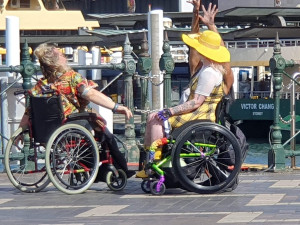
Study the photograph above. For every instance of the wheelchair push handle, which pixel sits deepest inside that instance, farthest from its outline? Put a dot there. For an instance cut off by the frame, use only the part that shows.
(20, 92)
(45, 90)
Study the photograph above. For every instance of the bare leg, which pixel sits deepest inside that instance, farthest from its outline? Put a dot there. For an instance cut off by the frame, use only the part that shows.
(154, 130)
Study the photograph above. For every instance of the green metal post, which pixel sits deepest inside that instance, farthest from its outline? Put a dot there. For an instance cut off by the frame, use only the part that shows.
(28, 70)
(129, 71)
(166, 63)
(28, 67)
(144, 65)
(277, 155)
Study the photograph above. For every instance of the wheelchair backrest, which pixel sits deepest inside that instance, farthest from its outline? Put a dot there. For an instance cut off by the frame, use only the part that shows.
(46, 116)
(222, 110)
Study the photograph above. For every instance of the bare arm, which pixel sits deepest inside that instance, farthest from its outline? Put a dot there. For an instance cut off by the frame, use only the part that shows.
(208, 19)
(24, 121)
(102, 100)
(188, 106)
(194, 61)
(228, 78)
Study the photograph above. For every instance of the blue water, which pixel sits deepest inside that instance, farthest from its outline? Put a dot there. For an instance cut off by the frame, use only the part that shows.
(258, 152)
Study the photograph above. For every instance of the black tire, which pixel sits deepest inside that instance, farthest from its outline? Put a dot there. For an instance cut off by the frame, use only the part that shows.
(153, 190)
(116, 183)
(25, 166)
(198, 158)
(72, 159)
(145, 185)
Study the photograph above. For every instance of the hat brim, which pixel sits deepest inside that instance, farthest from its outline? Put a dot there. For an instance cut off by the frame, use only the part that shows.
(220, 55)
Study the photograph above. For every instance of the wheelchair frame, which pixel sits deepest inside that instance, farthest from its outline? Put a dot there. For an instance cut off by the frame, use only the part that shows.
(203, 157)
(199, 161)
(71, 166)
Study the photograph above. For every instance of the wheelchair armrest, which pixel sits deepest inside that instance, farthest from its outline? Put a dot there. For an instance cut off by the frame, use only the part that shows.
(83, 115)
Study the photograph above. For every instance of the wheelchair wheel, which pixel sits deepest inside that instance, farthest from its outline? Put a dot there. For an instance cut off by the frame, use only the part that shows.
(72, 159)
(116, 183)
(206, 158)
(145, 185)
(153, 188)
(25, 164)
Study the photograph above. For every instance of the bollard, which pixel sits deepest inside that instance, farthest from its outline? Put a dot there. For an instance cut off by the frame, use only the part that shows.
(144, 66)
(28, 67)
(277, 154)
(166, 64)
(129, 71)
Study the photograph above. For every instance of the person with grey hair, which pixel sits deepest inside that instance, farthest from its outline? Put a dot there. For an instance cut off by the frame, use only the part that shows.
(76, 93)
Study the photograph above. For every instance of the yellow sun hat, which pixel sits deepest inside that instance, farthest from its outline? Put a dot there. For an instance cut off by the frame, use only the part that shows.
(208, 43)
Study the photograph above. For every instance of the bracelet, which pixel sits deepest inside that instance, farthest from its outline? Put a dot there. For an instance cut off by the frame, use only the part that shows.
(115, 108)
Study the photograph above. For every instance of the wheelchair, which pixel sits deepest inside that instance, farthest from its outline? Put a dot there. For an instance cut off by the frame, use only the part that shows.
(200, 156)
(59, 150)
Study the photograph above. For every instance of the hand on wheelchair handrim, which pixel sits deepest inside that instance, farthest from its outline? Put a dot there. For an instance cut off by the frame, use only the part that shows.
(164, 114)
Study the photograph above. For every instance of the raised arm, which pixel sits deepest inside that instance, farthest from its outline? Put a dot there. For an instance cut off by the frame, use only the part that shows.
(208, 19)
(194, 61)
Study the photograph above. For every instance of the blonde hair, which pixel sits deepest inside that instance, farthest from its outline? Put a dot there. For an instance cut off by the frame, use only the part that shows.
(49, 61)
(217, 66)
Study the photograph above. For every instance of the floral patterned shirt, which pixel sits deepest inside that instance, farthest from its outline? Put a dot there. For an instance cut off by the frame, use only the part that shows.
(70, 85)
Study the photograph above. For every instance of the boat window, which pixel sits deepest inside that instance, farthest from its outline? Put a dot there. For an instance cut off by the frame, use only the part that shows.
(53, 4)
(23, 5)
(16, 4)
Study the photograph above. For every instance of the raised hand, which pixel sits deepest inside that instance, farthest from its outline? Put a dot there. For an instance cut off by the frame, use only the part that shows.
(209, 15)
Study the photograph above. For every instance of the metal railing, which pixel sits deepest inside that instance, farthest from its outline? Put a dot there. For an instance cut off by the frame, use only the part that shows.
(261, 43)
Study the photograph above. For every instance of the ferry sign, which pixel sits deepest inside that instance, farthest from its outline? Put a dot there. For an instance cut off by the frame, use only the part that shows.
(256, 109)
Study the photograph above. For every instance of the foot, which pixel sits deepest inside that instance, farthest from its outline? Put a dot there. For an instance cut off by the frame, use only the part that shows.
(141, 174)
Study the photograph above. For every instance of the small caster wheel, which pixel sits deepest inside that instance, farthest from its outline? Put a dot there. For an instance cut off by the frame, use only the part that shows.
(154, 190)
(116, 183)
(145, 185)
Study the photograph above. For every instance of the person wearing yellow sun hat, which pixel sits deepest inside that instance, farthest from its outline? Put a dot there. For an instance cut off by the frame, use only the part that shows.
(209, 66)
(208, 44)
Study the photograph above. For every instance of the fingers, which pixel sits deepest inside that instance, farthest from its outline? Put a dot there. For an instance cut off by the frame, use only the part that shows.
(214, 10)
(211, 9)
(203, 9)
(127, 113)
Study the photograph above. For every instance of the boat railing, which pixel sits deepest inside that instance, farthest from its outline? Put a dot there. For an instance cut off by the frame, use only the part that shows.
(265, 95)
(261, 43)
(287, 95)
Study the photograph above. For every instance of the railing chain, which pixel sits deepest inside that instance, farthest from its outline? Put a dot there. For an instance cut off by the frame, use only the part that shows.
(150, 78)
(285, 121)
